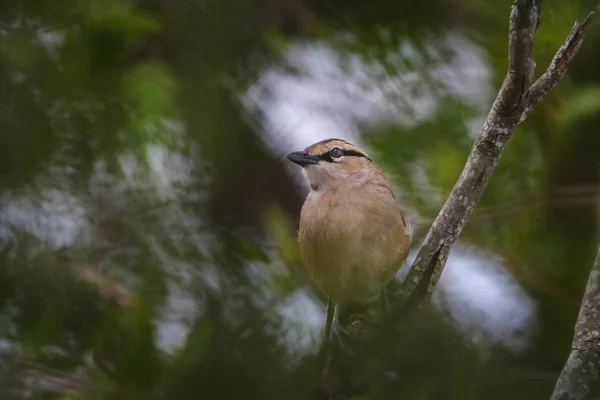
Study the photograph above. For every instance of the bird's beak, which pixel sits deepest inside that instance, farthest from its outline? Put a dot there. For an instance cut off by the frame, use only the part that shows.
(302, 158)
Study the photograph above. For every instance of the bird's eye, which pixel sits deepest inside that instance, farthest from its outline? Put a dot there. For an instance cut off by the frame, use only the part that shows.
(336, 152)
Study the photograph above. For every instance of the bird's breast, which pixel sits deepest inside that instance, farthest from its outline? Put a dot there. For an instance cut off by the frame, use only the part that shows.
(351, 247)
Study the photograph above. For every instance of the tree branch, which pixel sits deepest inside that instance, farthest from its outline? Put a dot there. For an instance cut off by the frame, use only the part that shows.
(501, 122)
(515, 101)
(558, 67)
(582, 366)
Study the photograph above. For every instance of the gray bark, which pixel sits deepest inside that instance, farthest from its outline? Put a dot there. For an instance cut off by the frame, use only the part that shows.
(582, 366)
(501, 122)
(515, 101)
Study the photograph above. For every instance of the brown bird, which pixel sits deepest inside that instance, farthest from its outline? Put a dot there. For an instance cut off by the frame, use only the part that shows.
(353, 234)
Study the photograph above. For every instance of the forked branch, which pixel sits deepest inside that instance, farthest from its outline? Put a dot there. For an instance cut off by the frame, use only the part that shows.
(515, 101)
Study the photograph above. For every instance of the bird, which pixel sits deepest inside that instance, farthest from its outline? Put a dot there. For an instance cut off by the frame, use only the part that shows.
(353, 234)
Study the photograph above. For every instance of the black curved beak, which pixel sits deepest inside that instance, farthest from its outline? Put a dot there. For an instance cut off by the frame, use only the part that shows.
(302, 158)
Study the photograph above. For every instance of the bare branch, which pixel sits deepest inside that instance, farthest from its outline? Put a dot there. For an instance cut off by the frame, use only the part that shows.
(558, 67)
(582, 366)
(515, 101)
(501, 122)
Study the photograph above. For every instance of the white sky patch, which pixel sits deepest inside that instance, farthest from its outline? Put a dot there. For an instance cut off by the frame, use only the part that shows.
(161, 171)
(486, 301)
(483, 298)
(303, 319)
(52, 40)
(56, 218)
(333, 93)
(176, 319)
(169, 169)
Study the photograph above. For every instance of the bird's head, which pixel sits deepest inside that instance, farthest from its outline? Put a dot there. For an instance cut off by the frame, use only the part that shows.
(331, 163)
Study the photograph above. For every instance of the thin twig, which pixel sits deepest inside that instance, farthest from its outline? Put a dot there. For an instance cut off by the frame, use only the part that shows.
(582, 366)
(558, 67)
